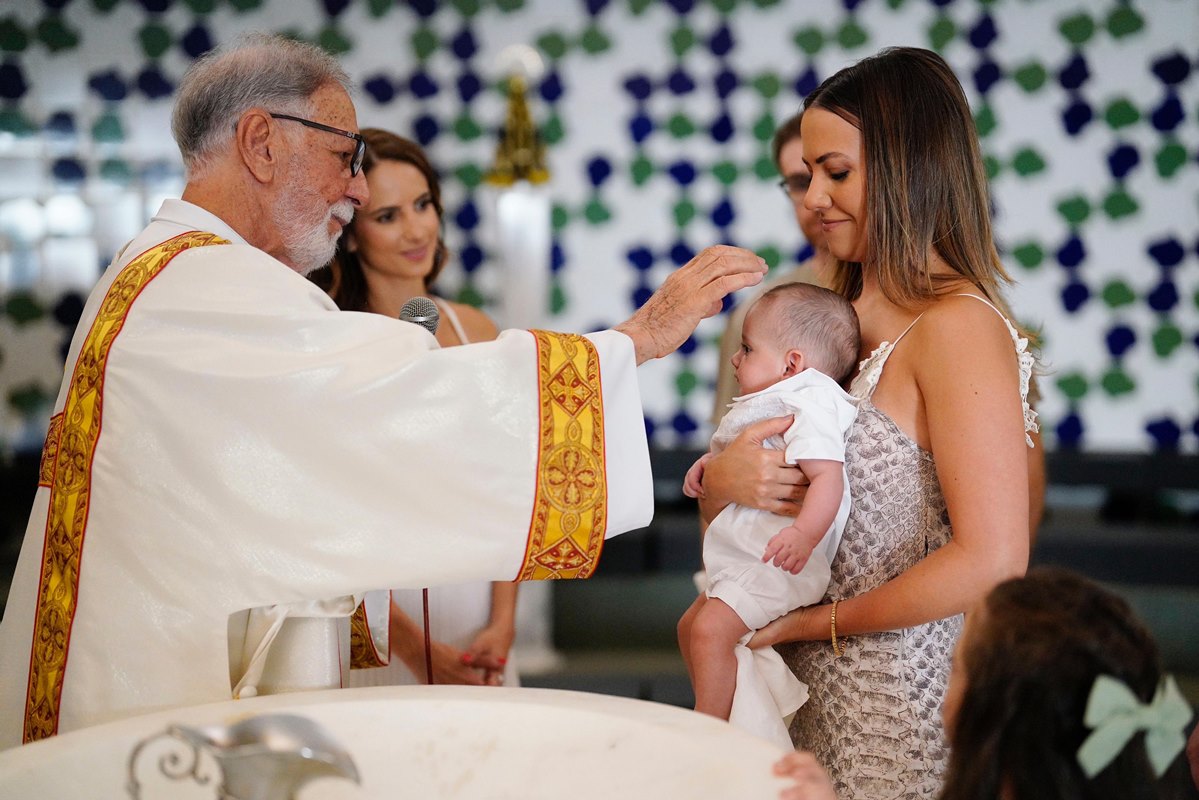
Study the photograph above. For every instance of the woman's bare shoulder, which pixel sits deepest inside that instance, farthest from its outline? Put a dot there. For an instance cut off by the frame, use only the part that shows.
(478, 326)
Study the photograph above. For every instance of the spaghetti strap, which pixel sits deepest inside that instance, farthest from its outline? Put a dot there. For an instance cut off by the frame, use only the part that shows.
(448, 313)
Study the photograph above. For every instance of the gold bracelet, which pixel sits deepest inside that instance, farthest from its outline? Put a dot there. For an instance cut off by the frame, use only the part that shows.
(837, 651)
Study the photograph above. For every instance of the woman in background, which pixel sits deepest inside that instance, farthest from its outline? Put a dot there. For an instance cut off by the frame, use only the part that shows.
(391, 253)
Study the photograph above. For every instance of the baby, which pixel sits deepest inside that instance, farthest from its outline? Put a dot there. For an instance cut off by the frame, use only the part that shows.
(798, 343)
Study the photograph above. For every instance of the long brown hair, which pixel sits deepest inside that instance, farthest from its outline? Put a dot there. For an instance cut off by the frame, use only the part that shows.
(342, 278)
(925, 183)
(1041, 642)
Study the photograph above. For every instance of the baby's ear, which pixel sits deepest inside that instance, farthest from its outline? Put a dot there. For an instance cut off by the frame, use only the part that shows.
(794, 363)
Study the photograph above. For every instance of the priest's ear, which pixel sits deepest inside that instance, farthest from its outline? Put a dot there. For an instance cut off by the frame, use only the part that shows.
(793, 363)
(260, 143)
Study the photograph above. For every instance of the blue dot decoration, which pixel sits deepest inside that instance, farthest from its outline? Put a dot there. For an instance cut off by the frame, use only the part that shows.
(12, 82)
(69, 170)
(1072, 253)
(55, 5)
(681, 253)
(638, 86)
(469, 86)
(721, 42)
(422, 85)
(641, 295)
(649, 428)
(807, 82)
(726, 82)
(68, 309)
(471, 257)
(689, 346)
(1069, 431)
(1167, 252)
(61, 123)
(464, 45)
(942, 3)
(683, 172)
(426, 129)
(1165, 432)
(1172, 69)
(424, 8)
(804, 252)
(1074, 296)
(557, 256)
(1168, 115)
(641, 257)
(551, 87)
(594, 7)
(108, 85)
(1122, 160)
(722, 128)
(640, 127)
(196, 41)
(155, 6)
(1120, 340)
(1163, 297)
(153, 84)
(850, 5)
(679, 82)
(683, 424)
(1075, 73)
(1077, 116)
(598, 170)
(682, 6)
(380, 88)
(986, 75)
(334, 7)
(723, 214)
(727, 303)
(467, 217)
(983, 33)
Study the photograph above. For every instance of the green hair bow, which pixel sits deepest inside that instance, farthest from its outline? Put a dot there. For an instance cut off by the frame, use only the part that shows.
(1114, 715)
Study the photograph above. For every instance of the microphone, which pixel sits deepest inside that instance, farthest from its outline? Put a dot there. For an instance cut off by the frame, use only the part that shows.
(421, 311)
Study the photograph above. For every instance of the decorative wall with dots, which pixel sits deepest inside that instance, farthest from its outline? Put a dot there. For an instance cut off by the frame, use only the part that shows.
(657, 116)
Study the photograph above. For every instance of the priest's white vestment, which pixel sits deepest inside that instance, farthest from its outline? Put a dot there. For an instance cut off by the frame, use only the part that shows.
(226, 439)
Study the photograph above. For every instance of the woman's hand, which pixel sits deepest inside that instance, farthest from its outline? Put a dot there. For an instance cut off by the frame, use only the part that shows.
(449, 668)
(749, 475)
(489, 652)
(811, 782)
(802, 624)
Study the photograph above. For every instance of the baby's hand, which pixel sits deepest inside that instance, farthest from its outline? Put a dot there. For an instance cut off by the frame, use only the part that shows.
(693, 484)
(790, 549)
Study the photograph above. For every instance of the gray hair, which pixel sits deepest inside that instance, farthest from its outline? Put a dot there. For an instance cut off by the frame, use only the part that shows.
(820, 323)
(264, 70)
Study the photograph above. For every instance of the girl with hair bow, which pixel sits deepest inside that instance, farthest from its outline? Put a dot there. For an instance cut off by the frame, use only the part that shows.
(1056, 692)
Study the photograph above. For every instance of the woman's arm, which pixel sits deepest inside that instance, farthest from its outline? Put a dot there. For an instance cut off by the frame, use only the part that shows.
(963, 367)
(750, 475)
(408, 644)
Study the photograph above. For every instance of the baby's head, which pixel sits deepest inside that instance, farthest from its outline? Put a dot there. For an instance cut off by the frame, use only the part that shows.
(794, 327)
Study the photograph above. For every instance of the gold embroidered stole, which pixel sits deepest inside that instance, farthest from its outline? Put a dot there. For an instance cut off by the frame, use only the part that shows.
(570, 504)
(66, 468)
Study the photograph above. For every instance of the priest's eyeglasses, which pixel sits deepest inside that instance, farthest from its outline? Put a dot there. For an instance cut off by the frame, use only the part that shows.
(360, 143)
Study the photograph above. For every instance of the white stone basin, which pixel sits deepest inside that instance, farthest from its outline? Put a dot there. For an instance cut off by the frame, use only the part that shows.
(430, 742)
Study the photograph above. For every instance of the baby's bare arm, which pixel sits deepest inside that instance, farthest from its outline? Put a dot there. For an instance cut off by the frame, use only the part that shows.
(791, 547)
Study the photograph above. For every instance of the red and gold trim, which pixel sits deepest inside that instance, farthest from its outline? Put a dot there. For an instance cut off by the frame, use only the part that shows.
(45, 474)
(570, 504)
(67, 468)
(363, 652)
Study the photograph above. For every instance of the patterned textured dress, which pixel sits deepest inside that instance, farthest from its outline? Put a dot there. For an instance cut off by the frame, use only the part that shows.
(873, 717)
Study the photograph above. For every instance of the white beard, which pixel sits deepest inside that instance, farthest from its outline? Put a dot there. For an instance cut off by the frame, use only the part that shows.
(308, 244)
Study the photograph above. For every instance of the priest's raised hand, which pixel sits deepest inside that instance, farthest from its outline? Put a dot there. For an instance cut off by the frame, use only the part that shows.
(691, 293)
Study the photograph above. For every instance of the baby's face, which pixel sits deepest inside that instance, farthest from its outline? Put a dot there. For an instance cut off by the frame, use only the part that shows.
(761, 360)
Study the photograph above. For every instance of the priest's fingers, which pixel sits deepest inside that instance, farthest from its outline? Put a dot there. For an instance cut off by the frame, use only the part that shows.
(687, 296)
